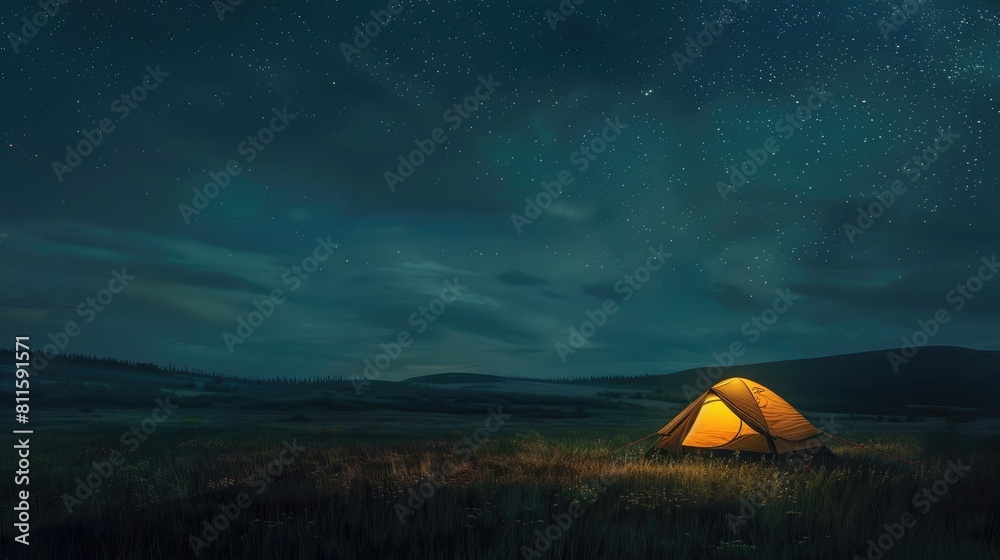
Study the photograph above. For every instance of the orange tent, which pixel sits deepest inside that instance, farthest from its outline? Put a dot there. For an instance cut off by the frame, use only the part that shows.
(739, 414)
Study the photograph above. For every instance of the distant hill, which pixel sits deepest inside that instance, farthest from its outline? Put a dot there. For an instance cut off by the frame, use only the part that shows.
(937, 376)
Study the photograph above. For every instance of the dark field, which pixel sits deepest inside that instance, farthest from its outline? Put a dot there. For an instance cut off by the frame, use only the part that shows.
(478, 468)
(343, 498)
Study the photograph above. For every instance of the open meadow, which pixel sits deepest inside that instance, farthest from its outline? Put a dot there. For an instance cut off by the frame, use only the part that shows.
(495, 475)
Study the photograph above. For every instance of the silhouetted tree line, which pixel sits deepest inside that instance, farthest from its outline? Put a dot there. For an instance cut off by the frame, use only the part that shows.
(579, 378)
(215, 377)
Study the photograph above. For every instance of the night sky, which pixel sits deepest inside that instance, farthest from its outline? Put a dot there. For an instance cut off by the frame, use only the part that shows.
(661, 181)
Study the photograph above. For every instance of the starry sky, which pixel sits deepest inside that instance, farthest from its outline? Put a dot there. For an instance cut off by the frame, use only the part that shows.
(656, 184)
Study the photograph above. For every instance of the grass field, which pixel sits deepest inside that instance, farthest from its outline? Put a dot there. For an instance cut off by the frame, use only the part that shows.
(341, 497)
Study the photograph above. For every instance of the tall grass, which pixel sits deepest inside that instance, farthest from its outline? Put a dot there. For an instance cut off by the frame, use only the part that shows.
(338, 500)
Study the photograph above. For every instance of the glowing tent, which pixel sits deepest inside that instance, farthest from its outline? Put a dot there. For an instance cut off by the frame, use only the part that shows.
(739, 414)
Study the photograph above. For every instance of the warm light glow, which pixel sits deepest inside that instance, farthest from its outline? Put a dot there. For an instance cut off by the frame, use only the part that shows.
(716, 425)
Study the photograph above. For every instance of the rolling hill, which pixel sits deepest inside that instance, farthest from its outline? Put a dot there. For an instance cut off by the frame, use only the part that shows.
(937, 376)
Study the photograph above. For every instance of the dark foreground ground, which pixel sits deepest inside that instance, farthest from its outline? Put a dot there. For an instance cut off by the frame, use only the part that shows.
(481, 469)
(521, 493)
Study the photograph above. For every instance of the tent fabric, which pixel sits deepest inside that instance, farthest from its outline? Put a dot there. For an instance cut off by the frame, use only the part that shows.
(738, 414)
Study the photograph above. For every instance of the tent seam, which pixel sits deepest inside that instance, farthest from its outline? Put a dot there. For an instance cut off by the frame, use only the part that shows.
(766, 425)
(735, 409)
